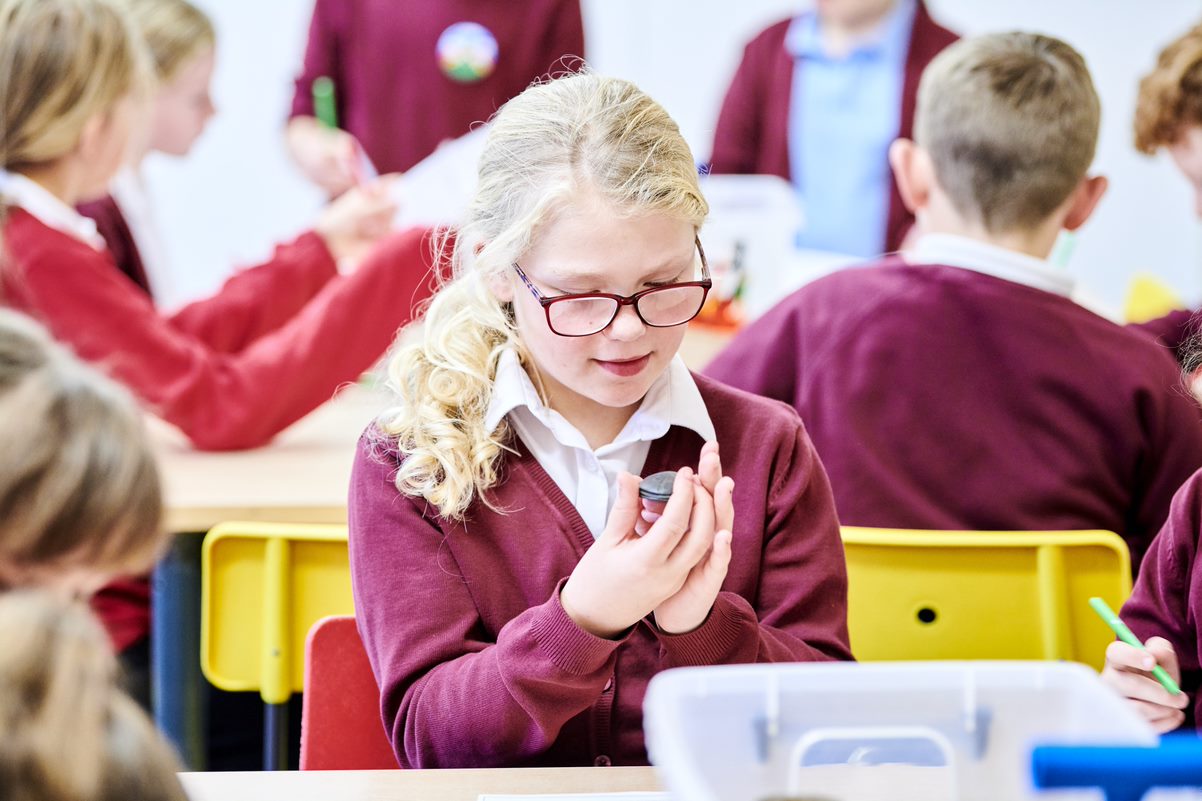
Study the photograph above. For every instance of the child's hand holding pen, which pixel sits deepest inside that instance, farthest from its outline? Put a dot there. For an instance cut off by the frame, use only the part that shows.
(1147, 674)
(330, 156)
(327, 156)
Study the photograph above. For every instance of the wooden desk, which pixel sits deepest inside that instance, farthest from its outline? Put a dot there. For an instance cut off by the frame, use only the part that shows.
(301, 477)
(412, 785)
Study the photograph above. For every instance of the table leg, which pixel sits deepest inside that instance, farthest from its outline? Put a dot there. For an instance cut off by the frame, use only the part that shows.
(275, 736)
(176, 682)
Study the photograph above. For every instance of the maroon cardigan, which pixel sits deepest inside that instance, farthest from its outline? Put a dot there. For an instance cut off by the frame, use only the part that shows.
(1167, 599)
(752, 136)
(944, 398)
(477, 662)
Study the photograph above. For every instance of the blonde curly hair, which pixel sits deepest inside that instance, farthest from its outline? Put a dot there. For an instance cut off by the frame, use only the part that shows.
(546, 146)
(1170, 96)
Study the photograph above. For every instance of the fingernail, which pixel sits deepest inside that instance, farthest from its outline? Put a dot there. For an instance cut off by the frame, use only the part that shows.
(1149, 663)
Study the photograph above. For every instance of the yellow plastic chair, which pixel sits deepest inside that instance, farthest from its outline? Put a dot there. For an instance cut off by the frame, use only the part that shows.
(263, 586)
(982, 594)
(1149, 297)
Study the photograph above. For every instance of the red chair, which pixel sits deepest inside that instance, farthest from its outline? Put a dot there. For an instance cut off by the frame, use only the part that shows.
(340, 719)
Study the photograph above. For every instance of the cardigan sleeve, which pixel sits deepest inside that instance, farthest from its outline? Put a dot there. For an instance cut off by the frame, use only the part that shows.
(260, 299)
(800, 612)
(449, 697)
(225, 400)
(1167, 596)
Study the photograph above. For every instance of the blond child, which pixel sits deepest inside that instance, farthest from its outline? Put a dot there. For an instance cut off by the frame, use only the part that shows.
(959, 386)
(500, 496)
(182, 44)
(230, 372)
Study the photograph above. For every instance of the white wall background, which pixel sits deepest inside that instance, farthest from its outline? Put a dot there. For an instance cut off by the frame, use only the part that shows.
(237, 192)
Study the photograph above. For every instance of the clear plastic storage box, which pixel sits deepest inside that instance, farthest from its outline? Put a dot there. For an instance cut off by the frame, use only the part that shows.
(889, 730)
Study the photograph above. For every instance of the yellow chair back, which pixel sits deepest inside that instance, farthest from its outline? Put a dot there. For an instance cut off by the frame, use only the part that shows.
(982, 594)
(1148, 297)
(263, 586)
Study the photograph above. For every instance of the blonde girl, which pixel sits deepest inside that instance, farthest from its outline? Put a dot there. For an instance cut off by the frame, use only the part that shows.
(514, 595)
(230, 371)
(182, 45)
(66, 732)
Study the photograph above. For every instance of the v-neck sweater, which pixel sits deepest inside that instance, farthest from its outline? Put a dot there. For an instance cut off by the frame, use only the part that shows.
(478, 663)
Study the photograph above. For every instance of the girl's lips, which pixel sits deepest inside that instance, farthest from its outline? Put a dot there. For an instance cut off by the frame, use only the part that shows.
(626, 367)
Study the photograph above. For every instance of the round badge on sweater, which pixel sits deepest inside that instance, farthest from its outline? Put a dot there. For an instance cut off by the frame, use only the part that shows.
(467, 52)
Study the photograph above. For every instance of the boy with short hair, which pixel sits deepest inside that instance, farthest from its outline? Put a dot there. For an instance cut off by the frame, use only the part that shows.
(960, 387)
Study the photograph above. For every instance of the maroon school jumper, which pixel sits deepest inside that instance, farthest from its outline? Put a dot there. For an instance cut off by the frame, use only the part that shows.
(220, 399)
(391, 92)
(478, 664)
(1167, 599)
(752, 134)
(943, 398)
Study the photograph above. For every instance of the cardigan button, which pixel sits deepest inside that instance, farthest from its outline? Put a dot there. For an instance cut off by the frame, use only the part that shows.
(602, 761)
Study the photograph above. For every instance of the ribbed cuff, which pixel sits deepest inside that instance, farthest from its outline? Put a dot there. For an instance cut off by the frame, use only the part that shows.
(715, 640)
(569, 647)
(321, 255)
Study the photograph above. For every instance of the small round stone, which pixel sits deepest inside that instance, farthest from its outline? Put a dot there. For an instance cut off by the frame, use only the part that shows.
(657, 486)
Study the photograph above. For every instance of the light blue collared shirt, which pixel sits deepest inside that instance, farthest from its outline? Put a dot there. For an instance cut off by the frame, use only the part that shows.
(843, 114)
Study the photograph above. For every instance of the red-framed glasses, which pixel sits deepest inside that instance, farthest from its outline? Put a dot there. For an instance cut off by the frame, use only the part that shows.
(588, 313)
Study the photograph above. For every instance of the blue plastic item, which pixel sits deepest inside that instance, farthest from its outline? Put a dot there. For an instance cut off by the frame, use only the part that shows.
(1124, 773)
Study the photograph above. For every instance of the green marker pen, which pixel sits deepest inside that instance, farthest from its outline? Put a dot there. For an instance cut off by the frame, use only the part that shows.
(1120, 628)
(324, 107)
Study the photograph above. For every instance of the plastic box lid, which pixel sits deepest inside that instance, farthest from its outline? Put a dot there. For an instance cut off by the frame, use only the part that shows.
(946, 730)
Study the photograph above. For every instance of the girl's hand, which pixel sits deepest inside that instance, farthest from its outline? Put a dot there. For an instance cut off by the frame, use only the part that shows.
(358, 219)
(689, 607)
(624, 576)
(327, 156)
(1129, 671)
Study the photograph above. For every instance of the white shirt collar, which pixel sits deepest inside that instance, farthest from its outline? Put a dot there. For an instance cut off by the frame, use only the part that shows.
(38, 201)
(981, 257)
(673, 399)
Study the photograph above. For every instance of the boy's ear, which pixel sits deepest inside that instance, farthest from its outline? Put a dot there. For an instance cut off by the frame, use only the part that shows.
(1084, 200)
(92, 135)
(912, 173)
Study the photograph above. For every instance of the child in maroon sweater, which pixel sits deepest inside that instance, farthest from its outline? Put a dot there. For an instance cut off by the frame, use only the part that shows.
(1166, 603)
(227, 372)
(959, 386)
(513, 593)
